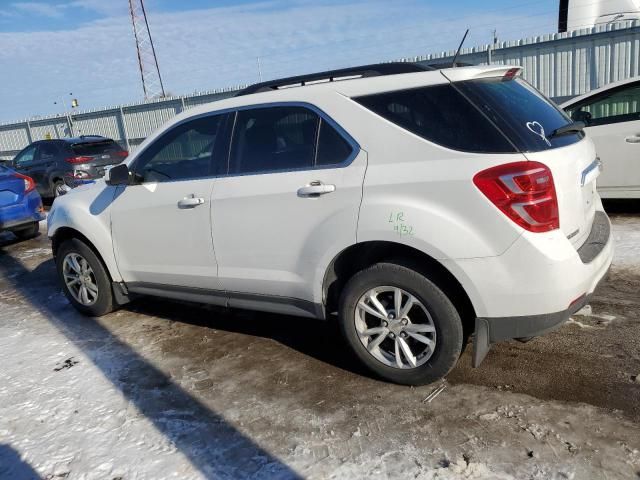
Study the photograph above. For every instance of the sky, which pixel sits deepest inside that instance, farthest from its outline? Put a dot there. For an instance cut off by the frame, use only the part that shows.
(55, 50)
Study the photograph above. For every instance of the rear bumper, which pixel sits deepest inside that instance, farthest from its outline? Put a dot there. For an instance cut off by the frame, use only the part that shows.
(595, 258)
(14, 217)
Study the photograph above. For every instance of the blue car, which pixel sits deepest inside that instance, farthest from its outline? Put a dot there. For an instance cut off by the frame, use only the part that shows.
(20, 204)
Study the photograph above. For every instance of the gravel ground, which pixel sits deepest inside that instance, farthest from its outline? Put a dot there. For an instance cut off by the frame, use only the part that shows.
(173, 390)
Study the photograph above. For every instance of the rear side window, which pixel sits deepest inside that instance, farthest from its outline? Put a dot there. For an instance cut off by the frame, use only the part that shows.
(95, 148)
(441, 115)
(47, 151)
(333, 149)
(273, 139)
(521, 112)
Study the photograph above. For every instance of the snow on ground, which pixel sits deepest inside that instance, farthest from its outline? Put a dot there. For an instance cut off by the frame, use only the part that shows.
(626, 232)
(168, 390)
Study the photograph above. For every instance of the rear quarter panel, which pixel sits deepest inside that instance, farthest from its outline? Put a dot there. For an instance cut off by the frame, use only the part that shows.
(422, 195)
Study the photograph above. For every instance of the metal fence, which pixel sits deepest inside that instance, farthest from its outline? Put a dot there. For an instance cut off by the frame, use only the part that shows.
(561, 65)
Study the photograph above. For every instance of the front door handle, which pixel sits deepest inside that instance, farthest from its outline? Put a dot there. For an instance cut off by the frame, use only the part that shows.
(315, 189)
(190, 202)
(633, 139)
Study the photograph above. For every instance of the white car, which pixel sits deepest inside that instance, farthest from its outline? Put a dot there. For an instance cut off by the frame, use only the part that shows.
(612, 118)
(415, 208)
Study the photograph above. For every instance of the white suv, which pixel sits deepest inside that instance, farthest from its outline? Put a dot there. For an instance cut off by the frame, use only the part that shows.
(415, 207)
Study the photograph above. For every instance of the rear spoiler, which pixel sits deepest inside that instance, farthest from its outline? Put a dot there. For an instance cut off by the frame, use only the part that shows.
(476, 73)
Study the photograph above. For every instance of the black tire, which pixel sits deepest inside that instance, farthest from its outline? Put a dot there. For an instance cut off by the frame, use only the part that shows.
(105, 301)
(445, 317)
(29, 232)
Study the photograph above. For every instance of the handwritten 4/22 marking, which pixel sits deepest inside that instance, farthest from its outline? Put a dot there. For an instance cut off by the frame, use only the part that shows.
(397, 220)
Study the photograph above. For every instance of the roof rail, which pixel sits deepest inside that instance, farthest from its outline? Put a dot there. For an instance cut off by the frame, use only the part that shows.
(375, 70)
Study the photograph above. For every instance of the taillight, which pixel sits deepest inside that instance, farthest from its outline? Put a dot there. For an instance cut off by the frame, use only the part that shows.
(524, 192)
(29, 184)
(122, 153)
(78, 159)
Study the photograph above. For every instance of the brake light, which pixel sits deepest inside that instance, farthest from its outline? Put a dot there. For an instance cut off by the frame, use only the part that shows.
(29, 184)
(524, 192)
(511, 74)
(78, 159)
(122, 153)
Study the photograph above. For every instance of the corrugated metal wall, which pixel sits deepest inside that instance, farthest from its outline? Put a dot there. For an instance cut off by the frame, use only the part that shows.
(560, 65)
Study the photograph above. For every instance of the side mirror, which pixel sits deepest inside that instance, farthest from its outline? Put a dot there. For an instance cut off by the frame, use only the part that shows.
(118, 175)
(581, 116)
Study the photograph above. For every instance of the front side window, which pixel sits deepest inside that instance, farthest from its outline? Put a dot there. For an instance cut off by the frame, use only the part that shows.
(185, 152)
(273, 139)
(619, 105)
(25, 157)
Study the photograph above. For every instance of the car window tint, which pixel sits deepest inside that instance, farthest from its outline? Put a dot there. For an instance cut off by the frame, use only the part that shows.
(620, 105)
(185, 152)
(332, 147)
(95, 148)
(520, 112)
(273, 139)
(47, 151)
(25, 156)
(439, 114)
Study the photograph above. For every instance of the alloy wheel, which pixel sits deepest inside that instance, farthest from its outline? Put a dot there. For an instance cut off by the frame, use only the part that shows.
(395, 327)
(80, 279)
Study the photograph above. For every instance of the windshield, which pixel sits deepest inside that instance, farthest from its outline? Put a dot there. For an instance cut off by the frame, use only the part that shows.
(521, 112)
(96, 148)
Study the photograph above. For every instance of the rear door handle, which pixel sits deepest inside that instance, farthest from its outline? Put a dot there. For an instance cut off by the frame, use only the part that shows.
(633, 139)
(190, 202)
(315, 189)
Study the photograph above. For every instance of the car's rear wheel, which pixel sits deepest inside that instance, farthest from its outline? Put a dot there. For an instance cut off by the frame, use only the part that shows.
(85, 280)
(400, 325)
(28, 232)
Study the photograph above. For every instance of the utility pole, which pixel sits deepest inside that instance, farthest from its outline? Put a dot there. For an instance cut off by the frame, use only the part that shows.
(492, 47)
(259, 69)
(147, 61)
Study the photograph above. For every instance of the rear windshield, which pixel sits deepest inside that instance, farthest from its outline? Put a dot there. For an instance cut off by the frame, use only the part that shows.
(481, 116)
(520, 111)
(96, 148)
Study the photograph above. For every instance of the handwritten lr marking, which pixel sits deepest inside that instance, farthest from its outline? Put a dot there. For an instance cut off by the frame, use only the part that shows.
(396, 219)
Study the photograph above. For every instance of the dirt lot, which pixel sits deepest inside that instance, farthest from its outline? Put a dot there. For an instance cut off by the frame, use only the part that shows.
(172, 390)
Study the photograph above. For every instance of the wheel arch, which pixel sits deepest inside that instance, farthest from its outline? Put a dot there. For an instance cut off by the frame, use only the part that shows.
(63, 234)
(362, 255)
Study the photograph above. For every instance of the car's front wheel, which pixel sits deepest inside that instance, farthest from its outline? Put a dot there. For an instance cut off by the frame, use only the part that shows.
(84, 278)
(400, 325)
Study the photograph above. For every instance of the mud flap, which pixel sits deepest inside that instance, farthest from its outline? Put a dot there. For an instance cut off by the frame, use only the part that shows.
(481, 342)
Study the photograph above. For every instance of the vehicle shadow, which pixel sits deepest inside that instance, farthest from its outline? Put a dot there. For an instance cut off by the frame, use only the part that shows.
(621, 206)
(319, 339)
(212, 445)
(13, 467)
